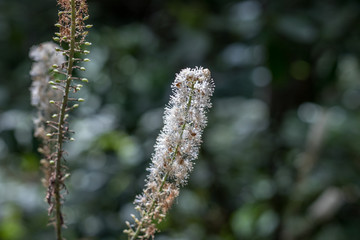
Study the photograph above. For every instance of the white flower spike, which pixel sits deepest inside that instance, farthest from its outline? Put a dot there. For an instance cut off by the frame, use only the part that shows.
(176, 148)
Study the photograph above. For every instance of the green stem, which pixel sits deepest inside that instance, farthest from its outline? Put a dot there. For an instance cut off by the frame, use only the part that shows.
(163, 181)
(61, 122)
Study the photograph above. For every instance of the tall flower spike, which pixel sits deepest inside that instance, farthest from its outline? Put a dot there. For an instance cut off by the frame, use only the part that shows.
(176, 148)
(71, 36)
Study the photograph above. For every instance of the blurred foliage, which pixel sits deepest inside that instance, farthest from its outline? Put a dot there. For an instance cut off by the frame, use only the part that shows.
(280, 158)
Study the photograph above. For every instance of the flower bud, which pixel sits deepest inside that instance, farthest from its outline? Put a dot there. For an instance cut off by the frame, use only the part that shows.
(67, 175)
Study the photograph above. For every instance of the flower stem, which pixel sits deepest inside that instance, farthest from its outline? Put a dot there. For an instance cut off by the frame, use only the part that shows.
(58, 175)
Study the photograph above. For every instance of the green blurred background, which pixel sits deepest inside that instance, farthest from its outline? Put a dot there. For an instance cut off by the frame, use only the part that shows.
(281, 153)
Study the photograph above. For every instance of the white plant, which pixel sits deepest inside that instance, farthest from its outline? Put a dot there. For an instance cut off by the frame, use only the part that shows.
(176, 148)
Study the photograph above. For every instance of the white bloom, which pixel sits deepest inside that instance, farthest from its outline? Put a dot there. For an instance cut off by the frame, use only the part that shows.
(184, 121)
(176, 147)
(45, 57)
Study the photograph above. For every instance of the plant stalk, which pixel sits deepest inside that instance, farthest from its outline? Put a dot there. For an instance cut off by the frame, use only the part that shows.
(58, 216)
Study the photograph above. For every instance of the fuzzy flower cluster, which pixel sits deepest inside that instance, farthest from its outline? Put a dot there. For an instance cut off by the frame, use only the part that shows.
(176, 148)
(44, 57)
